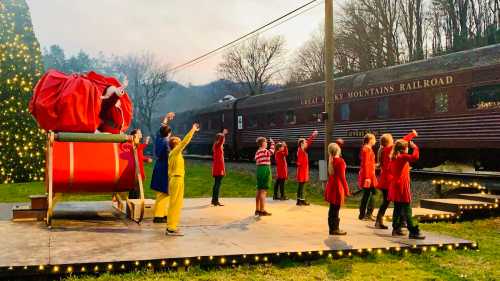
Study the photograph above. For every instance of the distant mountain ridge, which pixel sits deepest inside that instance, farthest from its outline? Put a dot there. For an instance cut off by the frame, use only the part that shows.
(183, 98)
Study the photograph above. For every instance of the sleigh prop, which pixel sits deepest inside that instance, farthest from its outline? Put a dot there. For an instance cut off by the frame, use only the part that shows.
(92, 163)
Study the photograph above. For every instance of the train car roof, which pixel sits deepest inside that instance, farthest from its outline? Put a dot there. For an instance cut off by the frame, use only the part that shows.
(215, 107)
(484, 56)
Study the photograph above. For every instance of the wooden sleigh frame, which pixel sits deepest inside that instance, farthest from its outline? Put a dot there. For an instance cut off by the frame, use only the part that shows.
(54, 197)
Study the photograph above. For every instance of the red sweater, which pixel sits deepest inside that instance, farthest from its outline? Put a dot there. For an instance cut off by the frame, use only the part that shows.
(399, 191)
(385, 178)
(303, 161)
(218, 167)
(281, 165)
(336, 188)
(367, 167)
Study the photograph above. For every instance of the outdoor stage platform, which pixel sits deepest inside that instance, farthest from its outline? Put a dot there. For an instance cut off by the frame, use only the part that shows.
(93, 236)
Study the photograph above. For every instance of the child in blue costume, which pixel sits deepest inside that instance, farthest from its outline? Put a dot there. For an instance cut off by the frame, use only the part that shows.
(159, 180)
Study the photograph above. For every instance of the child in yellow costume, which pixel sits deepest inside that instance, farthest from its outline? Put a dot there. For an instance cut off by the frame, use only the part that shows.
(176, 180)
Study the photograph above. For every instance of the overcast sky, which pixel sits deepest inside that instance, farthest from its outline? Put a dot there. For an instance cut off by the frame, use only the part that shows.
(175, 30)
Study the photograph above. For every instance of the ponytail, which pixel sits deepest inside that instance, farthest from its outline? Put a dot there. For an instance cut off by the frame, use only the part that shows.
(333, 150)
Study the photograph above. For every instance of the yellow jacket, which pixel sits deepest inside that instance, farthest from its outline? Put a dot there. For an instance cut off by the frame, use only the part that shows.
(175, 158)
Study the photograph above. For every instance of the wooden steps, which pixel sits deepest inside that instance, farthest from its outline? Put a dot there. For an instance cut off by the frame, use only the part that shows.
(35, 211)
(483, 197)
(457, 205)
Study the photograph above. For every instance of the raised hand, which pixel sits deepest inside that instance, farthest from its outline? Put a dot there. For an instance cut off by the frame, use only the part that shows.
(225, 131)
(170, 116)
(196, 127)
(315, 133)
(414, 132)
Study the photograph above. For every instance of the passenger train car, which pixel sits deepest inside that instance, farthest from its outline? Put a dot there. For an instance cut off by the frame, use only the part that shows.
(453, 101)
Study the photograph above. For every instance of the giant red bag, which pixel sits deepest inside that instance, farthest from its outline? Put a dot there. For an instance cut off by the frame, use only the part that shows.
(73, 103)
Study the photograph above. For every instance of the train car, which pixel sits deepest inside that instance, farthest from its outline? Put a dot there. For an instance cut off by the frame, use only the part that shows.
(213, 119)
(453, 101)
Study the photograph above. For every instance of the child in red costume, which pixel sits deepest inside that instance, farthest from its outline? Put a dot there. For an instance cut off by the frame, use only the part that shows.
(385, 178)
(367, 180)
(303, 167)
(336, 188)
(281, 171)
(399, 191)
(218, 167)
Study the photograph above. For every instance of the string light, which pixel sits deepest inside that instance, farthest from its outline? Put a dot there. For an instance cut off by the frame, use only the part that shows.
(223, 260)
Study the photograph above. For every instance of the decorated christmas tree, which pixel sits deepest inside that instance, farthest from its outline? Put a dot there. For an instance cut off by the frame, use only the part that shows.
(21, 141)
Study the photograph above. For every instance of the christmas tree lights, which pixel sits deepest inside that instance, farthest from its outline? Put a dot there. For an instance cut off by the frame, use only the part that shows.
(21, 141)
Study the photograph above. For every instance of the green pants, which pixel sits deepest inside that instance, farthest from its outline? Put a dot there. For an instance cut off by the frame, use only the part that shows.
(402, 211)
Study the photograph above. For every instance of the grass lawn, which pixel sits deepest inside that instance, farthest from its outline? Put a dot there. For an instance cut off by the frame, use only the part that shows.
(455, 265)
(199, 181)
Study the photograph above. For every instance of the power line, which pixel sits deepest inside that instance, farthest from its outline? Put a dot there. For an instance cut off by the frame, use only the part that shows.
(253, 35)
(241, 37)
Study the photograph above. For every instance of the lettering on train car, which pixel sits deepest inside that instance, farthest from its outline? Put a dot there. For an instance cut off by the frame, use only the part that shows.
(312, 100)
(362, 133)
(404, 87)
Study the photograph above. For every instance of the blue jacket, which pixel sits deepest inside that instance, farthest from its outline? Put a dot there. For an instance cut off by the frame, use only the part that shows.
(159, 180)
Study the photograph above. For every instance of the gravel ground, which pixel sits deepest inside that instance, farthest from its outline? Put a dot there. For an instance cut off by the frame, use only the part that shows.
(421, 185)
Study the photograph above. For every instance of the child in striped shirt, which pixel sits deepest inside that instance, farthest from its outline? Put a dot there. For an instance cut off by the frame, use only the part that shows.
(263, 161)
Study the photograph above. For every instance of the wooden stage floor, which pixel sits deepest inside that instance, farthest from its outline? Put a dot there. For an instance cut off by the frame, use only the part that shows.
(93, 232)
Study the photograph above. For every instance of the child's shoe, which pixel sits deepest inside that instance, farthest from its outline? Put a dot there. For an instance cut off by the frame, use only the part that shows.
(174, 233)
(398, 232)
(265, 213)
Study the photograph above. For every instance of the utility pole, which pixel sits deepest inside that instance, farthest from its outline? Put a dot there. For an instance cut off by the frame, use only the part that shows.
(329, 82)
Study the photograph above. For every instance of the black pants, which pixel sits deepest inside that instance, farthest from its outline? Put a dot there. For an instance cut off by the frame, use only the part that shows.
(366, 205)
(333, 217)
(300, 191)
(384, 205)
(216, 189)
(402, 212)
(279, 189)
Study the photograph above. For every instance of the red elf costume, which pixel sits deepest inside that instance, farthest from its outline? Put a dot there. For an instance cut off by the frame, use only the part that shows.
(367, 173)
(399, 190)
(218, 167)
(335, 192)
(303, 168)
(281, 171)
(385, 177)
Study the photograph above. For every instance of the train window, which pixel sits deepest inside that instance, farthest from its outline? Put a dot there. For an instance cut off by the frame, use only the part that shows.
(441, 102)
(290, 117)
(484, 97)
(345, 111)
(252, 122)
(383, 108)
(271, 119)
(316, 117)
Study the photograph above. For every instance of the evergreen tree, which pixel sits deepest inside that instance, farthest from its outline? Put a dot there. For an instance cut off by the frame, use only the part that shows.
(21, 141)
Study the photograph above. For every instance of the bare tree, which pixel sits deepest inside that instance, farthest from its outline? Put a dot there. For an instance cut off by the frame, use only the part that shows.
(148, 83)
(253, 63)
(308, 65)
(412, 21)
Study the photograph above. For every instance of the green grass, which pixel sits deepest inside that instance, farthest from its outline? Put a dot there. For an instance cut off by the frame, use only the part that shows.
(199, 183)
(449, 265)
